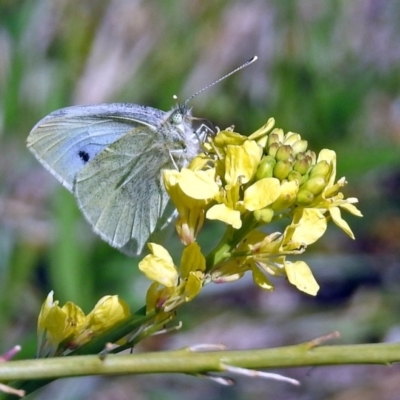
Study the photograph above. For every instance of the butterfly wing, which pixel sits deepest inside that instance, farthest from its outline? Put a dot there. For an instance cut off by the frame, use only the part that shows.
(120, 191)
(67, 139)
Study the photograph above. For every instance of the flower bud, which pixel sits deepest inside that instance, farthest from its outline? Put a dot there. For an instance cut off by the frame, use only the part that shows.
(315, 185)
(284, 153)
(294, 175)
(265, 215)
(304, 198)
(282, 169)
(320, 169)
(312, 155)
(272, 138)
(299, 147)
(304, 179)
(265, 167)
(273, 149)
(291, 138)
(302, 166)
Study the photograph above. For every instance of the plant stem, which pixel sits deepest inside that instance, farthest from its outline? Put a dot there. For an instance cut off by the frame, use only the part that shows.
(228, 242)
(190, 362)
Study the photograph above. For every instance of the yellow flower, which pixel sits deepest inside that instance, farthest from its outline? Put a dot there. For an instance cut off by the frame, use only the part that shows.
(61, 329)
(238, 169)
(107, 312)
(331, 200)
(56, 324)
(246, 182)
(171, 288)
(266, 254)
(190, 191)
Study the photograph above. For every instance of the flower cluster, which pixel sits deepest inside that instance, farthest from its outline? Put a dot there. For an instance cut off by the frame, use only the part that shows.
(274, 196)
(248, 183)
(62, 329)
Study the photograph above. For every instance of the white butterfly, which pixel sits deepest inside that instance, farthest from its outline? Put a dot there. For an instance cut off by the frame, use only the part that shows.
(110, 156)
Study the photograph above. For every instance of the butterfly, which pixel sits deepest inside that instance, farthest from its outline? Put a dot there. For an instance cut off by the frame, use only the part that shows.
(110, 156)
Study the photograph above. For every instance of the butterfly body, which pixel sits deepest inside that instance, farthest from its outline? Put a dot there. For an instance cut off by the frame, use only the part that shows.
(110, 156)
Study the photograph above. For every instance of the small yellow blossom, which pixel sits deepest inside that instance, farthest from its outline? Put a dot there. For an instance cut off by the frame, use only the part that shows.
(61, 329)
(107, 312)
(56, 324)
(331, 199)
(166, 293)
(191, 210)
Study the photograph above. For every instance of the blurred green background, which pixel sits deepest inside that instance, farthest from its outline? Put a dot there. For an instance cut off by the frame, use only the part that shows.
(328, 70)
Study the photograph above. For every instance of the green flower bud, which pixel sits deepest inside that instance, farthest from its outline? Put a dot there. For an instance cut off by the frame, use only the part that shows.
(272, 138)
(300, 156)
(294, 175)
(312, 155)
(273, 149)
(315, 185)
(284, 153)
(304, 179)
(282, 169)
(320, 169)
(265, 215)
(300, 146)
(302, 166)
(305, 198)
(265, 167)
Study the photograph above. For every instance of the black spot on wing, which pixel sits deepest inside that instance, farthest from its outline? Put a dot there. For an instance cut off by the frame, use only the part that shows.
(84, 156)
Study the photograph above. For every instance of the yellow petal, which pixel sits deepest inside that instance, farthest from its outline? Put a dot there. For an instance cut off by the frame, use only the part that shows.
(241, 162)
(193, 286)
(199, 162)
(350, 208)
(159, 270)
(199, 185)
(107, 312)
(340, 222)
(263, 131)
(310, 224)
(225, 214)
(330, 157)
(225, 138)
(192, 260)
(261, 279)
(75, 316)
(44, 311)
(300, 275)
(287, 195)
(261, 194)
(56, 325)
(160, 252)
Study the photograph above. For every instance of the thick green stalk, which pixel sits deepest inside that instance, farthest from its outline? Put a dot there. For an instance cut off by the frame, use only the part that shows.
(192, 362)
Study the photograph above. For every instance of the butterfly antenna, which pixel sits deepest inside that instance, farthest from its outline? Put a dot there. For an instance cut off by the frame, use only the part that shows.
(246, 64)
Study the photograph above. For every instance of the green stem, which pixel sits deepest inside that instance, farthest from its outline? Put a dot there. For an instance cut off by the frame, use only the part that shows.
(192, 362)
(229, 241)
